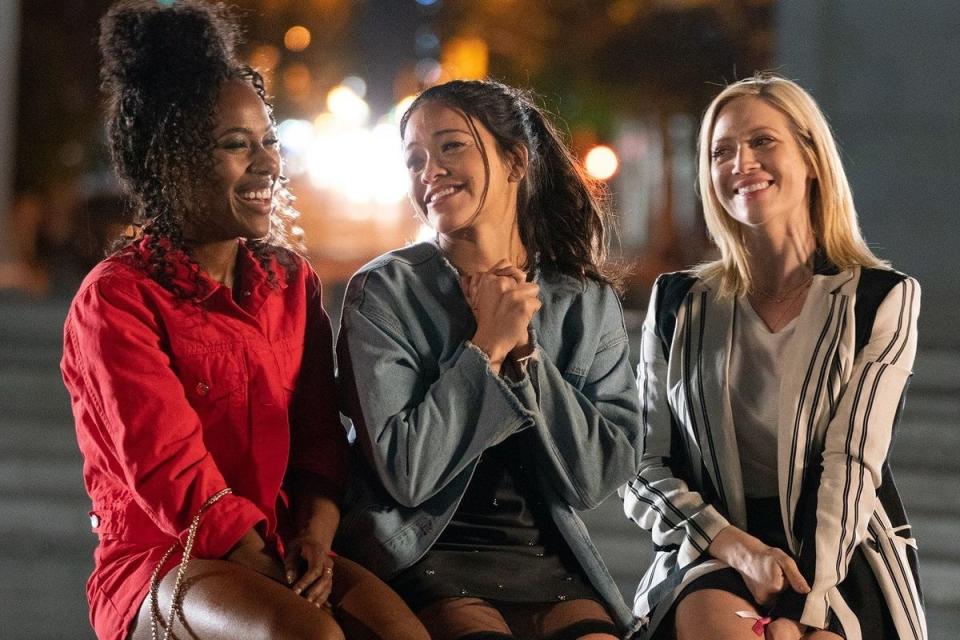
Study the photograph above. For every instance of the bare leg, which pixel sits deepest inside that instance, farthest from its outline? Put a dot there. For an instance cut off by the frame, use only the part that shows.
(714, 610)
(453, 618)
(555, 619)
(820, 634)
(368, 609)
(224, 600)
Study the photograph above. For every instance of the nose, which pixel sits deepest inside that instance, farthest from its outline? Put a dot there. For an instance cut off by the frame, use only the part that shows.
(265, 160)
(745, 161)
(432, 170)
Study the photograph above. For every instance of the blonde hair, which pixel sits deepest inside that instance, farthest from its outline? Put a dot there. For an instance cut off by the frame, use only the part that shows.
(833, 217)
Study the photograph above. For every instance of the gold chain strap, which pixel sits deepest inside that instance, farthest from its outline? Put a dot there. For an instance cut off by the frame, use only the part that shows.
(176, 607)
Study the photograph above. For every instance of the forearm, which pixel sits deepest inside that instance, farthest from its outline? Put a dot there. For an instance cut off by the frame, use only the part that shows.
(316, 510)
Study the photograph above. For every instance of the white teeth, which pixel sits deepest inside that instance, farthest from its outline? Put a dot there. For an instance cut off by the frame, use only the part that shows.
(262, 194)
(441, 193)
(753, 187)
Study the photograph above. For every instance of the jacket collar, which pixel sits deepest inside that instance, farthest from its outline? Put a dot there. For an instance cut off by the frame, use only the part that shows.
(188, 277)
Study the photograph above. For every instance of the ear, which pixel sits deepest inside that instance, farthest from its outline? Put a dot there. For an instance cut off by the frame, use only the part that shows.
(518, 160)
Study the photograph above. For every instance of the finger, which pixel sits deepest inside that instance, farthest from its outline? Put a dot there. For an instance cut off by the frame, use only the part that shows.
(319, 591)
(308, 578)
(514, 272)
(797, 582)
(291, 564)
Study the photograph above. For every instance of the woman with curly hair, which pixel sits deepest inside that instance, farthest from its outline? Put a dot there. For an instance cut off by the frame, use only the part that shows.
(488, 379)
(771, 383)
(199, 363)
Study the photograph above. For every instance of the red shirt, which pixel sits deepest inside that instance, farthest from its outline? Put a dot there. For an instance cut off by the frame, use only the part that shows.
(176, 399)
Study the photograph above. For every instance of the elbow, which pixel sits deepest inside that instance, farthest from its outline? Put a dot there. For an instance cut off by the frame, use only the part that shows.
(406, 490)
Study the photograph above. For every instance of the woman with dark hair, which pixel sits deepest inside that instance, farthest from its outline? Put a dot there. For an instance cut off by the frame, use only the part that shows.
(771, 382)
(199, 363)
(487, 377)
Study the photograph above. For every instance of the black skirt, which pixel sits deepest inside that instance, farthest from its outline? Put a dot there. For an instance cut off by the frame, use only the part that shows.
(859, 588)
(501, 545)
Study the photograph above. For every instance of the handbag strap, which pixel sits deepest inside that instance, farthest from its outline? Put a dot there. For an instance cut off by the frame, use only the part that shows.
(176, 606)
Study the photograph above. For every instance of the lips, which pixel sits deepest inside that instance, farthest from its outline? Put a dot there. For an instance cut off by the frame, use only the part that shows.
(753, 187)
(437, 195)
(259, 198)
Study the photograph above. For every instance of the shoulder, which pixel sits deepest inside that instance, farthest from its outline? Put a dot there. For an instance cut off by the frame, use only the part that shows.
(395, 271)
(875, 285)
(114, 276)
(883, 295)
(671, 288)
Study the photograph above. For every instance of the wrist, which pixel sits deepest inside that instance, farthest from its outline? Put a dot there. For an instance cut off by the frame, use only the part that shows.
(494, 354)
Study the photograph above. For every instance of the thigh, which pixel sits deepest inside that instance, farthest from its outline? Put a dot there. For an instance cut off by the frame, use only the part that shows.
(368, 609)
(580, 619)
(223, 600)
(715, 610)
(820, 634)
(462, 619)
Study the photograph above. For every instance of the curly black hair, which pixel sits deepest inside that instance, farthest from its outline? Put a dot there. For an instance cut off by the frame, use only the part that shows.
(164, 65)
(562, 213)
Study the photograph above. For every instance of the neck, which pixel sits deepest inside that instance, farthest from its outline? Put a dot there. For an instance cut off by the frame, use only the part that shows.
(218, 259)
(478, 248)
(780, 260)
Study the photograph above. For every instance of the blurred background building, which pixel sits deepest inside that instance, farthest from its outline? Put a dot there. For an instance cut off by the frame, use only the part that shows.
(629, 80)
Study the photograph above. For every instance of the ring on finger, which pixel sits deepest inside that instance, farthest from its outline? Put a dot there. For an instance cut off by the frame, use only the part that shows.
(328, 571)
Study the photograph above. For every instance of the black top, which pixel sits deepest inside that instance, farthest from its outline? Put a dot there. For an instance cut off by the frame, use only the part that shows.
(501, 544)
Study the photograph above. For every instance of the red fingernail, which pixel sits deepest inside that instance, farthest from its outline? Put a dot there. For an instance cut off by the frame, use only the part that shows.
(331, 554)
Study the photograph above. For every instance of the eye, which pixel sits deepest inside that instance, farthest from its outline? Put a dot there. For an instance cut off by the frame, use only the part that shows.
(233, 144)
(271, 141)
(414, 162)
(451, 145)
(761, 141)
(718, 153)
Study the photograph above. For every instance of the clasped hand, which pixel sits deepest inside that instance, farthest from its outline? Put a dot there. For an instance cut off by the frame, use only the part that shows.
(503, 303)
(307, 567)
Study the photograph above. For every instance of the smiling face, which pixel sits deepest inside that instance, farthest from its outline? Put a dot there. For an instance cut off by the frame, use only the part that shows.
(449, 182)
(246, 159)
(758, 170)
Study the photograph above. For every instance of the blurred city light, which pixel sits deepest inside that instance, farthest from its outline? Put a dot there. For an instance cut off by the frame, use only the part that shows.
(466, 58)
(346, 106)
(296, 38)
(601, 162)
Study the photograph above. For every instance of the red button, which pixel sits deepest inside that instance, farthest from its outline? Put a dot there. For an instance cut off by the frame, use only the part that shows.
(202, 389)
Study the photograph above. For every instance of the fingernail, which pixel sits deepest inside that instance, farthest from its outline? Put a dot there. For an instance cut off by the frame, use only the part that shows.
(291, 576)
(297, 590)
(331, 554)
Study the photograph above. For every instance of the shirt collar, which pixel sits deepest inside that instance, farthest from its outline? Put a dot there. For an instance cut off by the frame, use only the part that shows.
(195, 284)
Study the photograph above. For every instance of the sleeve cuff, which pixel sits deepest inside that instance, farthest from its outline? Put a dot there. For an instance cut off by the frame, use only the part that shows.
(222, 525)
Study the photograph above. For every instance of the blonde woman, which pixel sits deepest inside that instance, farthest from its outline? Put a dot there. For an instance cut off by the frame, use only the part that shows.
(770, 384)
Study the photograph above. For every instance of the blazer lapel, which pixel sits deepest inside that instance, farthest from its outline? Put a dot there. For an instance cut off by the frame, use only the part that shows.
(811, 381)
(709, 332)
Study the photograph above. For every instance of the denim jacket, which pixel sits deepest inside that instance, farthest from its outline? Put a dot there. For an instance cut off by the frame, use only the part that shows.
(425, 404)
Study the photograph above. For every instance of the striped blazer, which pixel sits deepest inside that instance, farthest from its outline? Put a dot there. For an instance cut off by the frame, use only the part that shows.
(841, 393)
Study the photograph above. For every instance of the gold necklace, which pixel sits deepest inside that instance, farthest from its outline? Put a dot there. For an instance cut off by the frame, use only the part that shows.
(784, 295)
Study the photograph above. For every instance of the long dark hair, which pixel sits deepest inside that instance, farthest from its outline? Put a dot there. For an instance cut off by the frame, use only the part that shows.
(163, 69)
(562, 215)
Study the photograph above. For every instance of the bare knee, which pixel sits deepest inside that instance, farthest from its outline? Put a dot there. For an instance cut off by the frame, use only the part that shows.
(221, 600)
(820, 634)
(715, 610)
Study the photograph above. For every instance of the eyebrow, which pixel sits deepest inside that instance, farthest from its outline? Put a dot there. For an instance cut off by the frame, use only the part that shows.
(245, 130)
(749, 133)
(441, 132)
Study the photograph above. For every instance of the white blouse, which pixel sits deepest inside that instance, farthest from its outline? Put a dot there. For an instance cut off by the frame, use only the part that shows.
(756, 368)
